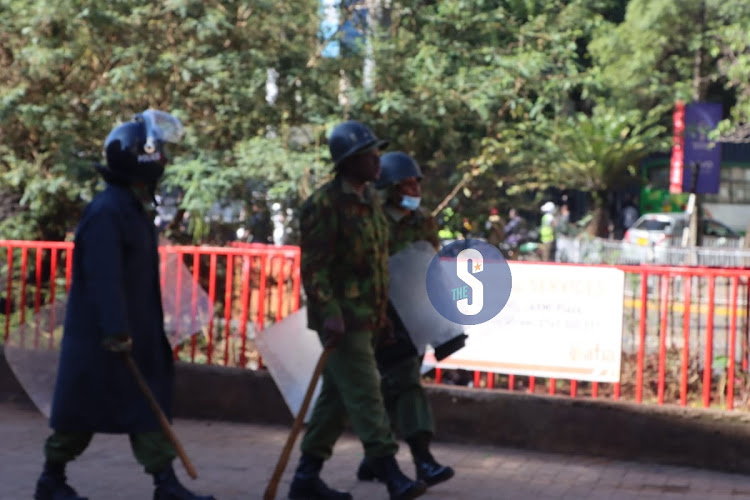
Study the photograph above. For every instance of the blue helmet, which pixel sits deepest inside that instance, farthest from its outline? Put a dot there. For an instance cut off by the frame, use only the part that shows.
(396, 166)
(352, 137)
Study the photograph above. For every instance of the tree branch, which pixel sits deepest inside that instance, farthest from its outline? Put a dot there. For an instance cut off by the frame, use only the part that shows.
(451, 195)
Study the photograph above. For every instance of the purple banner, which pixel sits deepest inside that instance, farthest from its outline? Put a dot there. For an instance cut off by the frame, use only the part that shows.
(700, 119)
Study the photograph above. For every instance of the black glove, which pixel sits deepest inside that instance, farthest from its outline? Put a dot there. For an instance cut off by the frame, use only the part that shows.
(122, 343)
(333, 331)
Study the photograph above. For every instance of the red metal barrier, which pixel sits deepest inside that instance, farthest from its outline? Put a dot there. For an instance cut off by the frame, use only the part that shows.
(717, 384)
(664, 360)
(672, 361)
(249, 286)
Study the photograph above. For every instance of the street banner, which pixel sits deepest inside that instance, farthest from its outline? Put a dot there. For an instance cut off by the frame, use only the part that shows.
(560, 322)
(700, 119)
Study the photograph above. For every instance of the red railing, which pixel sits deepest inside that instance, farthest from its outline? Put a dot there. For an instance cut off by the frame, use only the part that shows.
(247, 285)
(685, 329)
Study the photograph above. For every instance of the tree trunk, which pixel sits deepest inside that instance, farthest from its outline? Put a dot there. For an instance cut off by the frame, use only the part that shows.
(599, 225)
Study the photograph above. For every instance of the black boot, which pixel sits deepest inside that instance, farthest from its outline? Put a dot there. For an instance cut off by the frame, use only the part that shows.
(386, 470)
(307, 485)
(168, 487)
(428, 469)
(365, 472)
(53, 486)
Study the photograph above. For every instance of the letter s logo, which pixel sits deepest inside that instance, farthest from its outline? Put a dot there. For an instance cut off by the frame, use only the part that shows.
(477, 288)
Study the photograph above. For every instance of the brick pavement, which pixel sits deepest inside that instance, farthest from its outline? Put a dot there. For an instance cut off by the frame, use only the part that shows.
(234, 462)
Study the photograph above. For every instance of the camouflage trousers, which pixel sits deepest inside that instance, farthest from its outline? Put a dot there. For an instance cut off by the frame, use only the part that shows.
(350, 394)
(406, 400)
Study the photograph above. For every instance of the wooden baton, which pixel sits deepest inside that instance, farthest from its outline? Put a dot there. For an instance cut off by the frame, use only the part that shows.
(160, 415)
(273, 484)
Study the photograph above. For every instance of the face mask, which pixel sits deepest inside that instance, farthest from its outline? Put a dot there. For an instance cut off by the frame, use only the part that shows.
(410, 202)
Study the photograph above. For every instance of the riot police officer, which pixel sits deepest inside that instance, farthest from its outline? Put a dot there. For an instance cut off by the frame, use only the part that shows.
(398, 360)
(344, 269)
(114, 307)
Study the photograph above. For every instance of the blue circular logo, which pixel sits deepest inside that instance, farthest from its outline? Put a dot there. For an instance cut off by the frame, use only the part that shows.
(469, 282)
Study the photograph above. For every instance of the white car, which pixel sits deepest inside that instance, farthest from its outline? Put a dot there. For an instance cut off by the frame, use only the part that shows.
(650, 237)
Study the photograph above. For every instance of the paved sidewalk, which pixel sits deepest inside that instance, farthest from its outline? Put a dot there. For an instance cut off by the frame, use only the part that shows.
(234, 462)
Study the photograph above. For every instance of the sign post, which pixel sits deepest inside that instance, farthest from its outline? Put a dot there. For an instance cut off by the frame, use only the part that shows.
(678, 148)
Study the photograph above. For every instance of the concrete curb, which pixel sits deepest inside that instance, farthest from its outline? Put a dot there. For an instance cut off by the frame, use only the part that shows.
(670, 435)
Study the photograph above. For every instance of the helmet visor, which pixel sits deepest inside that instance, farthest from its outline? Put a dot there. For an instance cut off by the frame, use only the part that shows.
(161, 126)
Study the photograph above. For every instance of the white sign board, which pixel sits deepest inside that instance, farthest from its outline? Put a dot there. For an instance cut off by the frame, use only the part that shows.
(291, 351)
(560, 322)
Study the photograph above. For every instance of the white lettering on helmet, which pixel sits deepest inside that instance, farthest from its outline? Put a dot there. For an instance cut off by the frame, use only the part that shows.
(149, 158)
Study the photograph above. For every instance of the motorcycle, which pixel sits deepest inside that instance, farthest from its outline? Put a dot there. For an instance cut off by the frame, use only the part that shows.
(522, 246)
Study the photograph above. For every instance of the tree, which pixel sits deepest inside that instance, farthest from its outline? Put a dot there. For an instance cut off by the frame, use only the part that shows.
(677, 49)
(70, 70)
(452, 75)
(592, 152)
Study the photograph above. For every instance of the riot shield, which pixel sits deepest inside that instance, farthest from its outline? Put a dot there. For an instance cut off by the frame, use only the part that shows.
(408, 295)
(291, 350)
(32, 349)
(187, 309)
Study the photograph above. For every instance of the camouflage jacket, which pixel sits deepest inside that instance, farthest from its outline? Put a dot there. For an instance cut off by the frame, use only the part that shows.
(344, 241)
(405, 229)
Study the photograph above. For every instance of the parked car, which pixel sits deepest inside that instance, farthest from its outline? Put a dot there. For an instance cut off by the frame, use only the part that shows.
(650, 236)
(667, 228)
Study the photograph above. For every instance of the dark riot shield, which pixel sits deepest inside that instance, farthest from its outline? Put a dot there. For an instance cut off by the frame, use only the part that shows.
(408, 295)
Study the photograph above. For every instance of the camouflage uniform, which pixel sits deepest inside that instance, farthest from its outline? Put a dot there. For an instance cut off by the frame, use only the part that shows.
(401, 383)
(406, 229)
(344, 238)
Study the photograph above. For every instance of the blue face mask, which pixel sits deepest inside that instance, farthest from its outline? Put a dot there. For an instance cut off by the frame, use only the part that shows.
(410, 202)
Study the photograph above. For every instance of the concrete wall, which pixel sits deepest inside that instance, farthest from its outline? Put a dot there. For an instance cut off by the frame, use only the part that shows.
(671, 435)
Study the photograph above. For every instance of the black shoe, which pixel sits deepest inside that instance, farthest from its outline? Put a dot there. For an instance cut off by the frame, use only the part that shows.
(428, 469)
(169, 488)
(386, 470)
(365, 472)
(431, 472)
(53, 487)
(307, 485)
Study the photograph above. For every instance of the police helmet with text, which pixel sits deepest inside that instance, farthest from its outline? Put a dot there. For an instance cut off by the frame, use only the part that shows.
(135, 150)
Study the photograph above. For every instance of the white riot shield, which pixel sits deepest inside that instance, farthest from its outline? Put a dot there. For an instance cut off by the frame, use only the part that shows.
(33, 348)
(33, 354)
(291, 351)
(408, 295)
(187, 309)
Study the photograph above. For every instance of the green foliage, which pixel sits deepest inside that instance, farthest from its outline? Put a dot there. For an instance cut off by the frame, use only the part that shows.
(676, 49)
(591, 152)
(493, 97)
(270, 165)
(70, 70)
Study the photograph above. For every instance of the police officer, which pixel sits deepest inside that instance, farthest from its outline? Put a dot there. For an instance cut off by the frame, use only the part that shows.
(344, 237)
(114, 307)
(398, 361)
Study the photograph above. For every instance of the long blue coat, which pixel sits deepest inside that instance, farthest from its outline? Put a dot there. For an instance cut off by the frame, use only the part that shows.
(115, 290)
